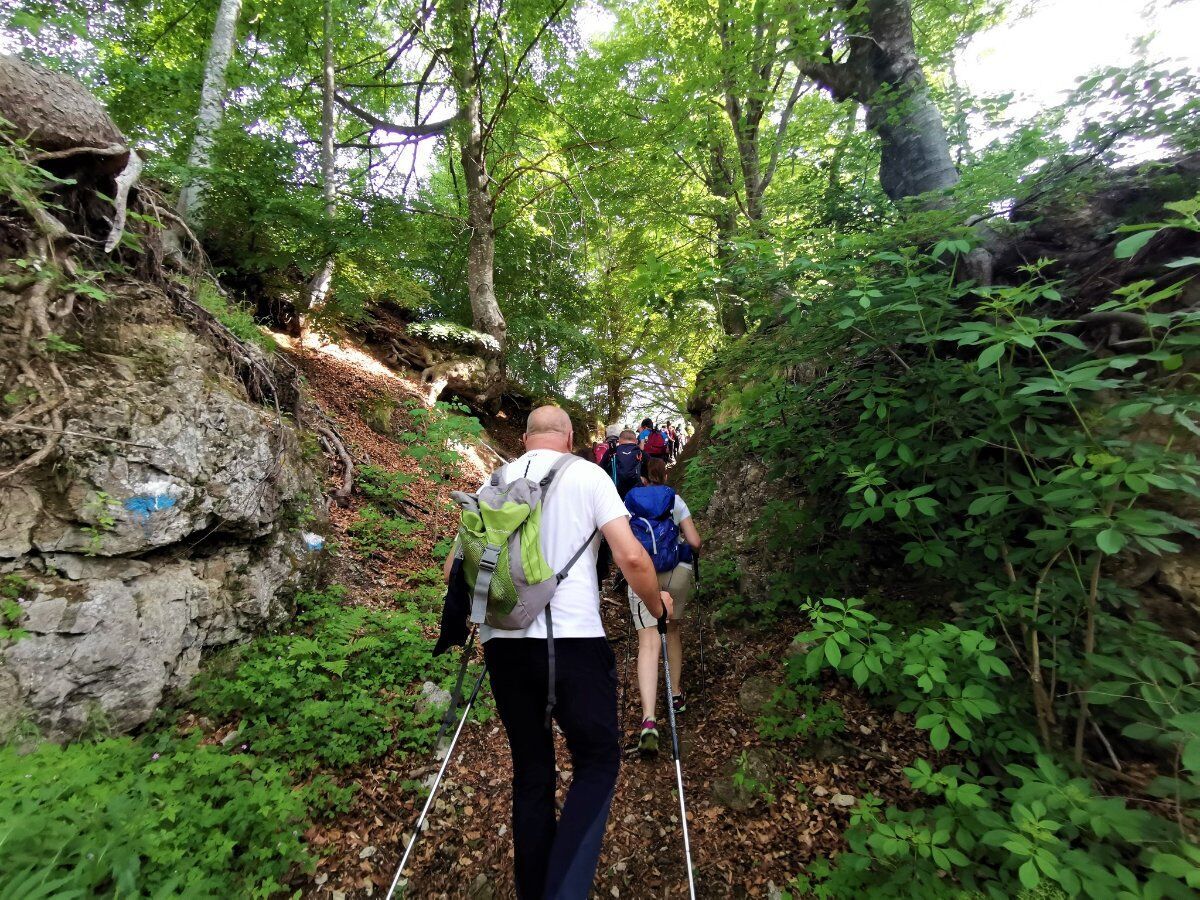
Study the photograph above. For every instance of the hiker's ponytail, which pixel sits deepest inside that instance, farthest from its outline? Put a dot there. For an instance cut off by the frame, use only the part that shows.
(656, 470)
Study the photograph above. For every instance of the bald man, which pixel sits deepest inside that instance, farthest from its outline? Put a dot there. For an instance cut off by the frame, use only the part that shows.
(557, 858)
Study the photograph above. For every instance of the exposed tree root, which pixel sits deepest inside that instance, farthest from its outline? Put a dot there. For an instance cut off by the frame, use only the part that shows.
(333, 444)
(29, 364)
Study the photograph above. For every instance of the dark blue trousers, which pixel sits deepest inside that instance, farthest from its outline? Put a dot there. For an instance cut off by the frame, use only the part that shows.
(556, 859)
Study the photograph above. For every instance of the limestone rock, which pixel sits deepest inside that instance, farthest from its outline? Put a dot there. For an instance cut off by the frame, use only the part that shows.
(1179, 575)
(142, 553)
(432, 696)
(755, 694)
(481, 888)
(746, 778)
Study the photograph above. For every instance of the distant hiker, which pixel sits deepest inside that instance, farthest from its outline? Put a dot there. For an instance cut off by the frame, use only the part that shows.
(663, 524)
(672, 441)
(623, 463)
(654, 445)
(644, 431)
(601, 448)
(573, 675)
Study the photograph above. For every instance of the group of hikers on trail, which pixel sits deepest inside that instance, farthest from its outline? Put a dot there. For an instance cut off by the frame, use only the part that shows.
(524, 568)
(664, 441)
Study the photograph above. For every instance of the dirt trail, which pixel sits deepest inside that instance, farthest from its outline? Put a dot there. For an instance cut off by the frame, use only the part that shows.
(736, 853)
(466, 850)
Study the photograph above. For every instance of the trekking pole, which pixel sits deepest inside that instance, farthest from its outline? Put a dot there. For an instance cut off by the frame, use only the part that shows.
(412, 842)
(696, 592)
(687, 847)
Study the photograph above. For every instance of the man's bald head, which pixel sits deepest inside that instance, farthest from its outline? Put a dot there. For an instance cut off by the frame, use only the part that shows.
(549, 428)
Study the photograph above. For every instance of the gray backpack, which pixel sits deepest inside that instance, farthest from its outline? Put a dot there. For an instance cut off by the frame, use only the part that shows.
(499, 541)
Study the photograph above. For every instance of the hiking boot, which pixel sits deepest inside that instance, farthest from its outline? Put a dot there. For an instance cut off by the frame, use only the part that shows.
(648, 742)
(680, 704)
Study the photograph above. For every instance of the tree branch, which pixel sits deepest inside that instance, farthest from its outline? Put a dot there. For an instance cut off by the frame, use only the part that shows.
(784, 118)
(420, 130)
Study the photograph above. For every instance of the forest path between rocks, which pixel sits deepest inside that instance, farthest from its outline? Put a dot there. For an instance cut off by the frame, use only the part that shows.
(743, 844)
(750, 835)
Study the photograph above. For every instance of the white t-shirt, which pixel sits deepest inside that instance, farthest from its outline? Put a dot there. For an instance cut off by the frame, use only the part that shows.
(679, 512)
(583, 498)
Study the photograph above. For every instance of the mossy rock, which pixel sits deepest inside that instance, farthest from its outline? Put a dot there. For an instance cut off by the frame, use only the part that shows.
(377, 413)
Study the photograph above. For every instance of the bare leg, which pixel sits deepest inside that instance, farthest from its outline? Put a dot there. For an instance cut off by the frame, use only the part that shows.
(675, 656)
(647, 670)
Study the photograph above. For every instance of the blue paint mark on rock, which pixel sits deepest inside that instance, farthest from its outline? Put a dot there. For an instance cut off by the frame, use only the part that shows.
(313, 542)
(143, 505)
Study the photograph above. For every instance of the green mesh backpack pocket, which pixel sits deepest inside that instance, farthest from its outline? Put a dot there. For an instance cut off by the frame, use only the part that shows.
(501, 544)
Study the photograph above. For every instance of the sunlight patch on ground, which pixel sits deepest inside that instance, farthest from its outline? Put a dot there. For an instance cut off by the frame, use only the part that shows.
(351, 356)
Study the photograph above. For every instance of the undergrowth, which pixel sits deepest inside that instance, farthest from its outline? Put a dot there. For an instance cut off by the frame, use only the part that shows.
(234, 316)
(336, 693)
(158, 817)
(987, 445)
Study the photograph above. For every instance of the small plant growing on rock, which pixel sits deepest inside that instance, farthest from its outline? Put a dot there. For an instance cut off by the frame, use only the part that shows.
(12, 589)
(237, 318)
(744, 780)
(796, 711)
(100, 509)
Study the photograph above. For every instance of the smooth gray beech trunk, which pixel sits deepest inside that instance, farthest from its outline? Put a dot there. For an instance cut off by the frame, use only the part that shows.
(318, 286)
(915, 156)
(212, 107)
(481, 247)
(882, 71)
(719, 180)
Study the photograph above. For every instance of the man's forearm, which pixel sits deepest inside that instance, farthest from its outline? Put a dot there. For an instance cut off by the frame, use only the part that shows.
(644, 581)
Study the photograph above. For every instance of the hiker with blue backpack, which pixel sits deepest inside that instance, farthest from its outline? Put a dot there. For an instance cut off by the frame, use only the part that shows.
(663, 524)
(624, 463)
(525, 563)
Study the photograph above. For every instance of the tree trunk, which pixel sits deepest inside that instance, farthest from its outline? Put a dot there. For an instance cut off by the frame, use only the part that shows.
(733, 306)
(719, 181)
(212, 104)
(481, 249)
(882, 72)
(615, 399)
(915, 154)
(318, 287)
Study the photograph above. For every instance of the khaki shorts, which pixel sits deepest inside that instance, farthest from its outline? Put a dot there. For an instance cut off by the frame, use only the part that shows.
(679, 583)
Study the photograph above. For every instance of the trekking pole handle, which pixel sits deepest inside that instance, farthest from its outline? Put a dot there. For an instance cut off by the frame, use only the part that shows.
(662, 622)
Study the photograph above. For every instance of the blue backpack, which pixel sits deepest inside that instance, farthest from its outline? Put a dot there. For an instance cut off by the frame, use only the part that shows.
(650, 508)
(624, 463)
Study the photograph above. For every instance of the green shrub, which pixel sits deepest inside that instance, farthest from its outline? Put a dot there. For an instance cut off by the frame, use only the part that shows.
(1039, 825)
(338, 692)
(1047, 833)
(434, 434)
(237, 318)
(153, 818)
(382, 486)
(373, 532)
(987, 446)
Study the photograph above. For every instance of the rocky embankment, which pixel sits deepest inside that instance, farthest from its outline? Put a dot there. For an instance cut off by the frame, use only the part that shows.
(168, 521)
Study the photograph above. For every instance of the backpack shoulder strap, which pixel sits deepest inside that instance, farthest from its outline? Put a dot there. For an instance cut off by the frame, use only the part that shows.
(551, 478)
